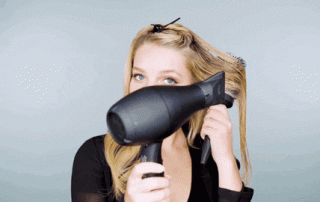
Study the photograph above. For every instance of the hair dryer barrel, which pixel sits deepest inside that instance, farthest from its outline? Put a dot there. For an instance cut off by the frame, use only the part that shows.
(138, 117)
(153, 113)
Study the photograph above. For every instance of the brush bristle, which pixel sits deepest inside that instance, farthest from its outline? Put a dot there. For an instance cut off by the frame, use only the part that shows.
(239, 58)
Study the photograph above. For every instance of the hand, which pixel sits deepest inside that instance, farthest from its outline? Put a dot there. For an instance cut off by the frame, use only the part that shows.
(147, 189)
(218, 127)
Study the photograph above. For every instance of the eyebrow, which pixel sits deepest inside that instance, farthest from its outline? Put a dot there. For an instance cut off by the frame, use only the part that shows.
(165, 71)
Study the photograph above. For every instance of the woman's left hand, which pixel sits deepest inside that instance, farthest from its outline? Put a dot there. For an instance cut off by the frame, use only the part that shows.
(217, 125)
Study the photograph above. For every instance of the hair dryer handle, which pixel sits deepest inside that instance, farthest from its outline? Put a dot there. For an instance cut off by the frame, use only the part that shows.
(152, 153)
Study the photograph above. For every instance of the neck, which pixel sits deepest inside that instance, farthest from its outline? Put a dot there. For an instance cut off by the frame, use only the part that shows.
(174, 143)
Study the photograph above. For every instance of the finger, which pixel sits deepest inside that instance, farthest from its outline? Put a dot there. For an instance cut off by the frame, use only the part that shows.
(218, 137)
(216, 127)
(154, 183)
(216, 116)
(206, 130)
(214, 108)
(158, 195)
(212, 122)
(142, 168)
(219, 109)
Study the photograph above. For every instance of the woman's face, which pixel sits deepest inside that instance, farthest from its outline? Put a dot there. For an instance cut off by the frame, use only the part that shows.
(157, 65)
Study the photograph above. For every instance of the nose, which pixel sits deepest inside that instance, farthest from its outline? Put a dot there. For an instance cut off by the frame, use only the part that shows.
(134, 88)
(151, 83)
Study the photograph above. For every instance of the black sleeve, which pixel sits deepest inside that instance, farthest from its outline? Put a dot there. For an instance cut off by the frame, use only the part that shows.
(226, 195)
(88, 180)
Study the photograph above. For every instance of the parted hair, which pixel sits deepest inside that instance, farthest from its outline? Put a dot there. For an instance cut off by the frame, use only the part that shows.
(203, 60)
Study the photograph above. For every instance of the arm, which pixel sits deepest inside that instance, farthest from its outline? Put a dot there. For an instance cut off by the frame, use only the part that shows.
(218, 127)
(228, 190)
(229, 176)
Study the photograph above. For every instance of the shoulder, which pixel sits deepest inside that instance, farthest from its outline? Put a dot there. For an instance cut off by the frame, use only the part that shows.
(90, 172)
(93, 144)
(91, 151)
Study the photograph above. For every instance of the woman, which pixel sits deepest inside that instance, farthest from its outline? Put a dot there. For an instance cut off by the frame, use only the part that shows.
(171, 55)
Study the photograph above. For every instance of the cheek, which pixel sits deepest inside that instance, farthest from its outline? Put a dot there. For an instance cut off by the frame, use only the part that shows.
(130, 87)
(133, 87)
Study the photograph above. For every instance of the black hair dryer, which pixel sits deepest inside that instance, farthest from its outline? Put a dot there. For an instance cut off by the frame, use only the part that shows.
(150, 114)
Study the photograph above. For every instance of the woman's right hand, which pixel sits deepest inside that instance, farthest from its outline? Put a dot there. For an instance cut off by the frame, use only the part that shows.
(149, 189)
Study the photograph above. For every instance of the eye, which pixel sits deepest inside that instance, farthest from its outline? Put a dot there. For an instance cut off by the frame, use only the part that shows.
(172, 81)
(135, 75)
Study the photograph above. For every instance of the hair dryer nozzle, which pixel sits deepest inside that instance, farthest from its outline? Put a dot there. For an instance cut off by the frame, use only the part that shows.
(213, 89)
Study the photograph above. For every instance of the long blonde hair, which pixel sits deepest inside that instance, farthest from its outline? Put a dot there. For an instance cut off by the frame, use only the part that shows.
(203, 61)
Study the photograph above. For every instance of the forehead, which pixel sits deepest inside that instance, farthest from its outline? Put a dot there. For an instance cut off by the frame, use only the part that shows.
(154, 57)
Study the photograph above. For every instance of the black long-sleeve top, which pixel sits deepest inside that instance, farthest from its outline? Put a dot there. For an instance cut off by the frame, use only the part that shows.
(91, 176)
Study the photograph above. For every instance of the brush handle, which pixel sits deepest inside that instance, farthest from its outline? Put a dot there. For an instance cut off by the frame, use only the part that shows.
(206, 150)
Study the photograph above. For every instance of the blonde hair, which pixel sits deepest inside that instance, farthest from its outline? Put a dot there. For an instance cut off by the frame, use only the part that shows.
(203, 61)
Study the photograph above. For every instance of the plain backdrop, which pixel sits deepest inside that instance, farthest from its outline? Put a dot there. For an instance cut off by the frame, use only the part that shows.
(61, 69)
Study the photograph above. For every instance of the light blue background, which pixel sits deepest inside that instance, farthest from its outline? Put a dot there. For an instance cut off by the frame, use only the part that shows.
(88, 42)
